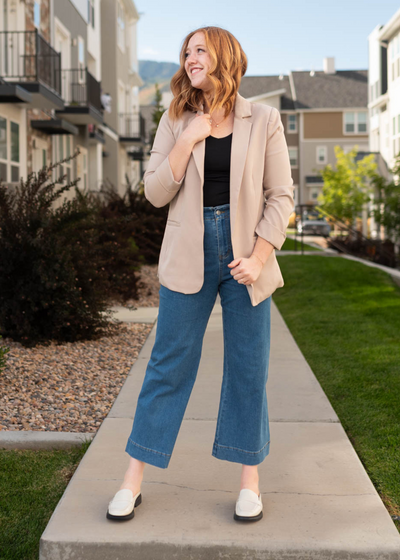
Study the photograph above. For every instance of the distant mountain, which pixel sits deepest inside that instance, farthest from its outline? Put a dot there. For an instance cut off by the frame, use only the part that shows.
(153, 72)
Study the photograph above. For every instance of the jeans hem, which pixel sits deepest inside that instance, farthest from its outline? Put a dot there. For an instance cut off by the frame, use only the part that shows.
(150, 456)
(236, 455)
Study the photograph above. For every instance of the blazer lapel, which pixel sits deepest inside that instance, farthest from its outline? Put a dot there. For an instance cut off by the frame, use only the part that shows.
(240, 144)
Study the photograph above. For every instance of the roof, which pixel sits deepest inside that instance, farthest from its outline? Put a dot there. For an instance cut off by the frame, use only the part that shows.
(344, 88)
(251, 86)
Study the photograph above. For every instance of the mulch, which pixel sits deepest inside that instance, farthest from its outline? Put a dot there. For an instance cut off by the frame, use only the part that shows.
(71, 387)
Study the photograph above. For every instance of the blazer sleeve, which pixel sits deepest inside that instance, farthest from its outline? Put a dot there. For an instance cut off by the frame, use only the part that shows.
(160, 186)
(277, 184)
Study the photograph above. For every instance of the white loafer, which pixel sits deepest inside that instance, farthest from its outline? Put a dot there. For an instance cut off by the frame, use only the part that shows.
(122, 506)
(249, 506)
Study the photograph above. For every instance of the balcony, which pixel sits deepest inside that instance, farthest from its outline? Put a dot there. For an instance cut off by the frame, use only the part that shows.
(131, 128)
(81, 93)
(27, 61)
(96, 135)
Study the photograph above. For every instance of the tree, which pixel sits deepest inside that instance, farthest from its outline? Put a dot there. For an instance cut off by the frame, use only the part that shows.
(347, 188)
(157, 113)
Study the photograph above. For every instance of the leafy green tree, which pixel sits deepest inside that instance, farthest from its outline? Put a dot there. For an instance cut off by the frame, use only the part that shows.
(348, 187)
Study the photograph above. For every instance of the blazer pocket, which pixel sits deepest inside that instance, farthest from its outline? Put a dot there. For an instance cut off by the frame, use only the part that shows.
(173, 222)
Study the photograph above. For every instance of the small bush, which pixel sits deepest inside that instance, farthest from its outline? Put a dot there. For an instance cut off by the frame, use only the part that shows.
(146, 222)
(53, 282)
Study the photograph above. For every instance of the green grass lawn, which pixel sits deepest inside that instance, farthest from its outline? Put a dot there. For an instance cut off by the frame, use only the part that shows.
(31, 485)
(345, 317)
(289, 245)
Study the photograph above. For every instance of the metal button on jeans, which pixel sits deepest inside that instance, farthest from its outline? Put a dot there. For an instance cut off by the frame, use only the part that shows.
(218, 212)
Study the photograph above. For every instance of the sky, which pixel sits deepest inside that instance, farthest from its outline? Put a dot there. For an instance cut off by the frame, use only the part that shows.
(276, 36)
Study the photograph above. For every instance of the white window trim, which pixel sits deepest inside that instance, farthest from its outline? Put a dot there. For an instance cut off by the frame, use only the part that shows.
(395, 134)
(355, 133)
(8, 162)
(297, 156)
(62, 170)
(288, 128)
(395, 58)
(325, 148)
(38, 146)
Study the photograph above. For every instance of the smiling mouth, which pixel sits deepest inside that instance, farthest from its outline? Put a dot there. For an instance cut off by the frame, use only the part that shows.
(195, 71)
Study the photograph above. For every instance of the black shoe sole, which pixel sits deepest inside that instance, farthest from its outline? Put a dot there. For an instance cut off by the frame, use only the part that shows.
(247, 518)
(129, 515)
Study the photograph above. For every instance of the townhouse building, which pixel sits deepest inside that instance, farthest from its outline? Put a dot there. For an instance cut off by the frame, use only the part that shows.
(124, 125)
(384, 89)
(51, 93)
(319, 110)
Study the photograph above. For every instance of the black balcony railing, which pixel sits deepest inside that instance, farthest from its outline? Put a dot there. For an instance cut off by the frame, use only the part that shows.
(26, 57)
(79, 87)
(131, 126)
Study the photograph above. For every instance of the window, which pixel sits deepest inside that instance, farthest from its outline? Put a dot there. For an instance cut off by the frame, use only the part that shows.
(293, 157)
(81, 59)
(63, 150)
(292, 123)
(121, 26)
(396, 135)
(322, 155)
(362, 122)
(349, 122)
(36, 14)
(355, 122)
(9, 151)
(14, 151)
(395, 56)
(91, 12)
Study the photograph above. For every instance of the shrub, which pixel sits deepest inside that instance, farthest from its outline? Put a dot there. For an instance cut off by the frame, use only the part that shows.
(146, 222)
(53, 283)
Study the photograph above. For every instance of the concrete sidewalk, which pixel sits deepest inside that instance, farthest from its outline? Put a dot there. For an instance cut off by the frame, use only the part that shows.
(318, 500)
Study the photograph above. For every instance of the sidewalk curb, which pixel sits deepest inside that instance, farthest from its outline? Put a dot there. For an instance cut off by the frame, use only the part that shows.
(32, 439)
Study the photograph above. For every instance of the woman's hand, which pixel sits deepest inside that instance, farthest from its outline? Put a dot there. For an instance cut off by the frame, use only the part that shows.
(246, 270)
(198, 129)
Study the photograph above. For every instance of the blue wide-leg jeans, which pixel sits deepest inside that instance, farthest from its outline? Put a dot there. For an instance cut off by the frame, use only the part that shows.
(242, 431)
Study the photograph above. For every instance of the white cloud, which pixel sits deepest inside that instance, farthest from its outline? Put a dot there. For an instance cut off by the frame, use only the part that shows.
(148, 51)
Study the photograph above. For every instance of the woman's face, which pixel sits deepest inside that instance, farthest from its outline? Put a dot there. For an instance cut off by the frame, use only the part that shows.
(197, 61)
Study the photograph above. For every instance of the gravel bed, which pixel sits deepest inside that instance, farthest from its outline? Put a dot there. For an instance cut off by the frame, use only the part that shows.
(71, 387)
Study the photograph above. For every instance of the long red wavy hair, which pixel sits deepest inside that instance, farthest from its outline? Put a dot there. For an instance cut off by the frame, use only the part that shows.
(229, 64)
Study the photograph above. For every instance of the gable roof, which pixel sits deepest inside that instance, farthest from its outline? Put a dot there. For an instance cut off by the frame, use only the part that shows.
(251, 86)
(344, 88)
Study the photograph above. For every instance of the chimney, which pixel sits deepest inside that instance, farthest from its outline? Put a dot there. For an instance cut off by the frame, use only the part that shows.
(329, 65)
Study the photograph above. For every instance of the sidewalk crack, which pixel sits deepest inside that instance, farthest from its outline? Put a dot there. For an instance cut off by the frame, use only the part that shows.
(264, 493)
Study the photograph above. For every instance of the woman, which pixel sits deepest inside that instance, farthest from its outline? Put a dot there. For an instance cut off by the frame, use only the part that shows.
(222, 165)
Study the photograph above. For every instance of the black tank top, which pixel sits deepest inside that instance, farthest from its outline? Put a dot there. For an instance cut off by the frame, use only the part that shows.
(217, 170)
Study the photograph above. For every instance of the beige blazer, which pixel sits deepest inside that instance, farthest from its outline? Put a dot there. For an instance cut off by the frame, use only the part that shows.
(261, 197)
